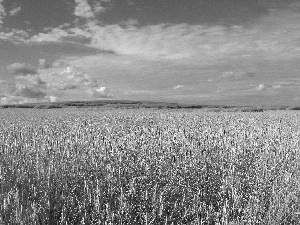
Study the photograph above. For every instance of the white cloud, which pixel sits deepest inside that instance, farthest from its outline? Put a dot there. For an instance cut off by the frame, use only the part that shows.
(2, 12)
(68, 78)
(54, 35)
(12, 100)
(98, 8)
(14, 35)
(138, 50)
(277, 86)
(274, 36)
(51, 98)
(15, 11)
(30, 84)
(260, 87)
(130, 23)
(101, 92)
(28, 91)
(43, 64)
(33, 80)
(83, 9)
(178, 87)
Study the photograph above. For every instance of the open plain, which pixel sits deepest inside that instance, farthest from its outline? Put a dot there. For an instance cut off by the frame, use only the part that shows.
(149, 166)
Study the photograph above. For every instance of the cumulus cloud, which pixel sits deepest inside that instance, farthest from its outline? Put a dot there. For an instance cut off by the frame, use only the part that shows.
(101, 92)
(83, 9)
(29, 86)
(260, 87)
(70, 78)
(28, 91)
(51, 98)
(48, 82)
(270, 38)
(21, 69)
(34, 80)
(15, 11)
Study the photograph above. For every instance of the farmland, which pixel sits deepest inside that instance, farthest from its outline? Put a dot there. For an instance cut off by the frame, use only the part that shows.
(148, 166)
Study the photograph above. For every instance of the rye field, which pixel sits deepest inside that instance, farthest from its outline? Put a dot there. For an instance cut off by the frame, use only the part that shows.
(143, 166)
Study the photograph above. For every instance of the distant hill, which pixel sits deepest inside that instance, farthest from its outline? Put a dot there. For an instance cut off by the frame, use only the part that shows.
(143, 104)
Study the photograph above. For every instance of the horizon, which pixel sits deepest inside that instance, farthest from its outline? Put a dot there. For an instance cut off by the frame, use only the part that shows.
(220, 52)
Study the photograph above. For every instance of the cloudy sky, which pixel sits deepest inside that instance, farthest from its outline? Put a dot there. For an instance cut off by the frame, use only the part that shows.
(233, 52)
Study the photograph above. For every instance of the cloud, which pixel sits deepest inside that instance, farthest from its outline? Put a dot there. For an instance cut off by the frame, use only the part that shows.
(271, 37)
(49, 82)
(69, 82)
(130, 23)
(277, 86)
(51, 98)
(14, 35)
(101, 92)
(21, 69)
(260, 87)
(68, 78)
(43, 64)
(53, 35)
(2, 13)
(32, 80)
(28, 91)
(61, 34)
(98, 8)
(143, 54)
(13, 100)
(83, 9)
(6, 87)
(178, 87)
(30, 86)
(15, 11)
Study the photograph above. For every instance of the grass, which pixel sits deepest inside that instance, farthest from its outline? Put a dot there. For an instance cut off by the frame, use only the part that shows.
(84, 166)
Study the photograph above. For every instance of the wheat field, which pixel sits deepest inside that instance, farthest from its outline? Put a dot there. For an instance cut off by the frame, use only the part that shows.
(146, 166)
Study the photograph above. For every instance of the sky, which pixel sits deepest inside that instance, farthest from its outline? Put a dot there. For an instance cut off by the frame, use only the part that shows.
(218, 52)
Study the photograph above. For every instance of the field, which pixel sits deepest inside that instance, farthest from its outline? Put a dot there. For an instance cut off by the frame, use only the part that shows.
(148, 166)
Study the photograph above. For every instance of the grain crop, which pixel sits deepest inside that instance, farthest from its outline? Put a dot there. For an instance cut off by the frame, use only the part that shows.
(138, 166)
